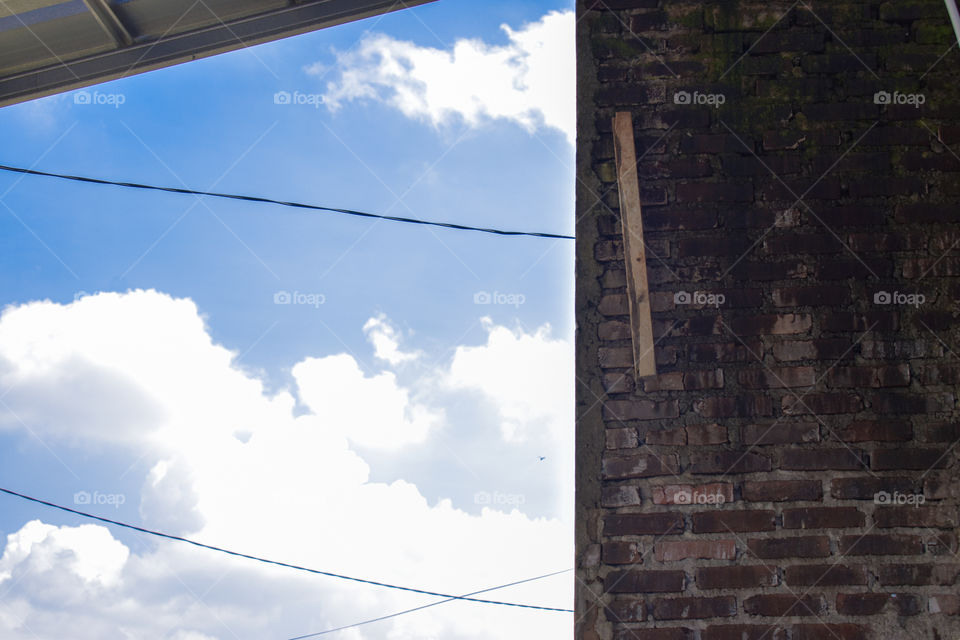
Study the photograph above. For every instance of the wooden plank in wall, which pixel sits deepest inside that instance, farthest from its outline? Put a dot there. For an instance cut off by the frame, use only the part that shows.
(638, 294)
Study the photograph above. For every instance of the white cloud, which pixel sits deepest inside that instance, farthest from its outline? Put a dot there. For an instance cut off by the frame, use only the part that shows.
(386, 341)
(290, 487)
(371, 412)
(525, 401)
(88, 552)
(529, 81)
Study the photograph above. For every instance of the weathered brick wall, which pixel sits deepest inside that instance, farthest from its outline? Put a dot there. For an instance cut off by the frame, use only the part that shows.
(740, 494)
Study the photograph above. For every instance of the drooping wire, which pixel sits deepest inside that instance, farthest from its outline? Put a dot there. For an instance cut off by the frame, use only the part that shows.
(297, 205)
(427, 606)
(267, 561)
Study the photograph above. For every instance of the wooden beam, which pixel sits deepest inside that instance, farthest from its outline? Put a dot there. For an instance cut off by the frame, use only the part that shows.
(634, 255)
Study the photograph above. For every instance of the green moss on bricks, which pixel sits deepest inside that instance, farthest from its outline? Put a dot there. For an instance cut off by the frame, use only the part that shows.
(934, 32)
(690, 17)
(625, 48)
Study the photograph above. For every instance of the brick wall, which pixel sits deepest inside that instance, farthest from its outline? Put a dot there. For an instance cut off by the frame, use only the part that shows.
(799, 164)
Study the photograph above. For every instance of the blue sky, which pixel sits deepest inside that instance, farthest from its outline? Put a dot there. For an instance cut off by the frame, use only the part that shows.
(478, 392)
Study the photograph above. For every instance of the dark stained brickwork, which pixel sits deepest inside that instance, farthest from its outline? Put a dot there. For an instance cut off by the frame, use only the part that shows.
(793, 472)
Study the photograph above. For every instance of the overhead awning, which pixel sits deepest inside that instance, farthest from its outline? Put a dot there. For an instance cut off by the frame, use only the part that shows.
(49, 46)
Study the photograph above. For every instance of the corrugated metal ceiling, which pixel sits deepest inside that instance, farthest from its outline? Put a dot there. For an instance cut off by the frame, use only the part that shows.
(48, 46)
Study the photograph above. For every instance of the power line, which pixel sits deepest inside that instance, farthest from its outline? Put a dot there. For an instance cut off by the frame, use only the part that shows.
(297, 205)
(427, 606)
(273, 562)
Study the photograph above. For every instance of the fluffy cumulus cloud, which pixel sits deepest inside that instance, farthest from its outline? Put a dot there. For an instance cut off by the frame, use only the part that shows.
(529, 81)
(226, 463)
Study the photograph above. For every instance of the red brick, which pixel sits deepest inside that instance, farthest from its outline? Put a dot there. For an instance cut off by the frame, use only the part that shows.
(667, 437)
(859, 322)
(743, 632)
(642, 524)
(733, 246)
(811, 296)
(714, 143)
(671, 219)
(715, 192)
(881, 545)
(773, 324)
(717, 493)
(904, 403)
(822, 518)
(777, 377)
(799, 547)
(626, 610)
(639, 410)
(824, 575)
(712, 379)
(889, 376)
(869, 604)
(915, 516)
(694, 608)
(824, 631)
(621, 438)
(784, 605)
(614, 330)
(874, 431)
(804, 244)
(947, 432)
(727, 462)
(639, 465)
(618, 383)
(619, 552)
(742, 405)
(726, 521)
(665, 633)
(781, 433)
(927, 212)
(918, 574)
(865, 488)
(668, 551)
(725, 352)
(614, 305)
(738, 577)
(823, 459)
(766, 271)
(705, 434)
(821, 403)
(909, 458)
(672, 381)
(782, 490)
(945, 603)
(638, 581)
(941, 486)
(619, 496)
(826, 349)
(615, 357)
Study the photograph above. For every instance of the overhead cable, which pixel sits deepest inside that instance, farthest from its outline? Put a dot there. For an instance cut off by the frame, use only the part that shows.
(297, 205)
(426, 606)
(273, 562)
